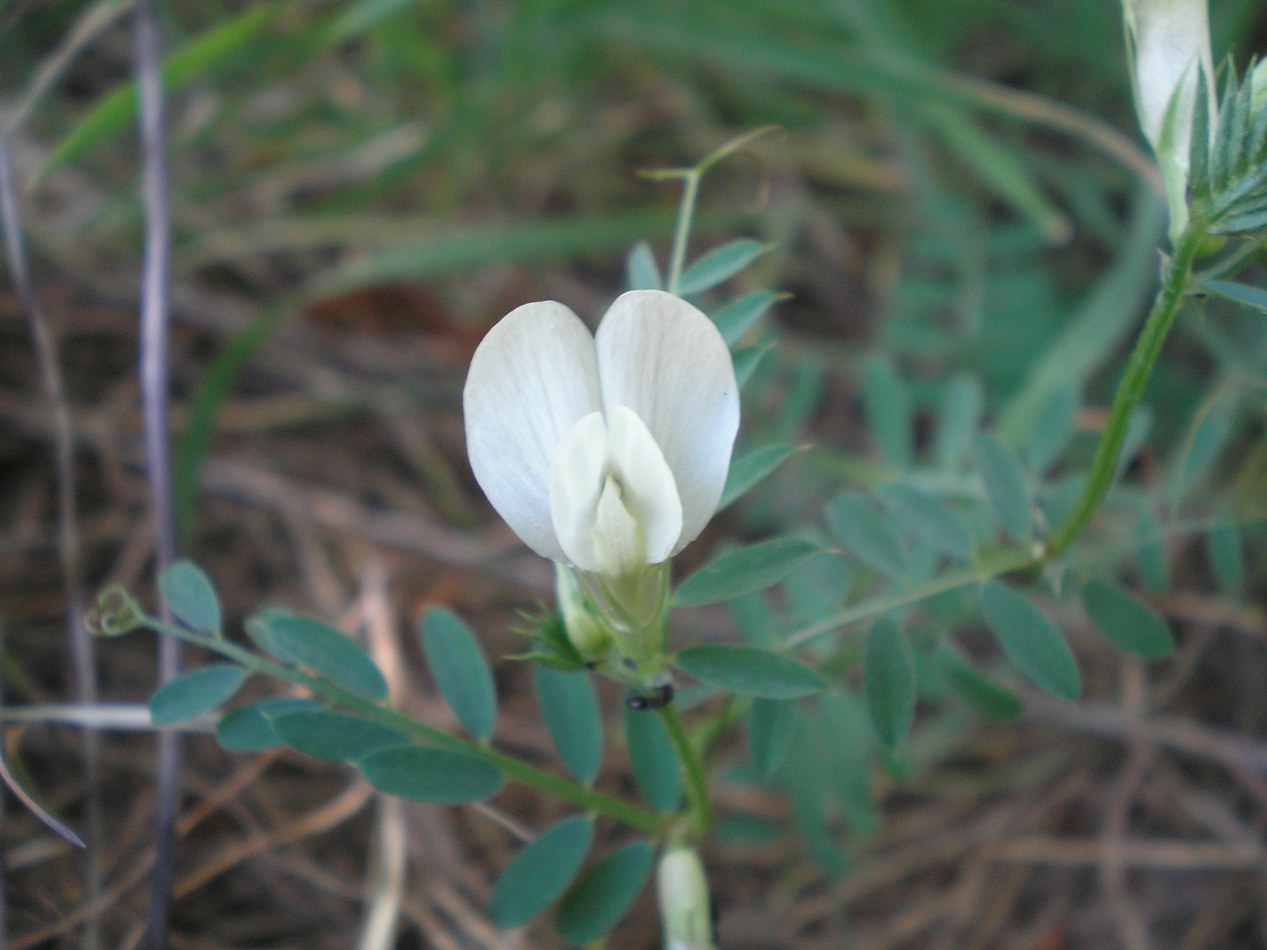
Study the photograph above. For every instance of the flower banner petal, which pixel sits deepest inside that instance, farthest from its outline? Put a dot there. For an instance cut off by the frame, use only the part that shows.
(533, 377)
(665, 360)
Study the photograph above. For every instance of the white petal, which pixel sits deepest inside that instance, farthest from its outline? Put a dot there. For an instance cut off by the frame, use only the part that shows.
(613, 500)
(665, 360)
(650, 489)
(533, 376)
(577, 475)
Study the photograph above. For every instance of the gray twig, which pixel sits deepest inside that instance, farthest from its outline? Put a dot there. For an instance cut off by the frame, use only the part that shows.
(78, 638)
(154, 386)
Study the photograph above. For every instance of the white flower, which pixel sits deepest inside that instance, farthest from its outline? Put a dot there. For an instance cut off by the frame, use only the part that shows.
(1169, 43)
(606, 452)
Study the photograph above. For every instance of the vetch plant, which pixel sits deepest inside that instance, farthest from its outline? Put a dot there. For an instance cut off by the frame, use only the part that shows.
(608, 453)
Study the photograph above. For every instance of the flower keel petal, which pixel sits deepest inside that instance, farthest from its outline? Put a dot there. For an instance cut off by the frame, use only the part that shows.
(613, 500)
(650, 489)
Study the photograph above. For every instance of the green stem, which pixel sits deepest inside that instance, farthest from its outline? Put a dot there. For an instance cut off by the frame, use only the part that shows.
(1129, 391)
(1103, 467)
(1004, 562)
(513, 768)
(701, 811)
(682, 232)
(690, 191)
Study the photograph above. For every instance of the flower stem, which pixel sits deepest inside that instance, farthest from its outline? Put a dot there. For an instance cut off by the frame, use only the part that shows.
(1148, 346)
(690, 191)
(513, 768)
(701, 810)
(682, 232)
(1129, 391)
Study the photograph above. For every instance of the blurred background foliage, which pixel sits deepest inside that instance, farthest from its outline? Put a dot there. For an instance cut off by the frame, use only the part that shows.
(959, 206)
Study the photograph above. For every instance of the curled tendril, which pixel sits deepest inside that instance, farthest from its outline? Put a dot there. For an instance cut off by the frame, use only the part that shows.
(115, 613)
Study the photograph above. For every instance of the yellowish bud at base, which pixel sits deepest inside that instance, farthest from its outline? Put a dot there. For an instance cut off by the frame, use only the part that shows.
(586, 628)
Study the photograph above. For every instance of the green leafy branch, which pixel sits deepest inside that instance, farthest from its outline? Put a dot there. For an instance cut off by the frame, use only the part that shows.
(336, 670)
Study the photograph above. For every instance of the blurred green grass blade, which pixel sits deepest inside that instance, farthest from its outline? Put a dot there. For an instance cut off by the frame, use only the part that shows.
(999, 170)
(834, 61)
(478, 246)
(1105, 317)
(815, 62)
(95, 19)
(117, 110)
(357, 18)
(204, 409)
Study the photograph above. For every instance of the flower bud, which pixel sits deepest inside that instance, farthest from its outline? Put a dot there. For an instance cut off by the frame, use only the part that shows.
(1258, 87)
(682, 891)
(586, 629)
(1169, 45)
